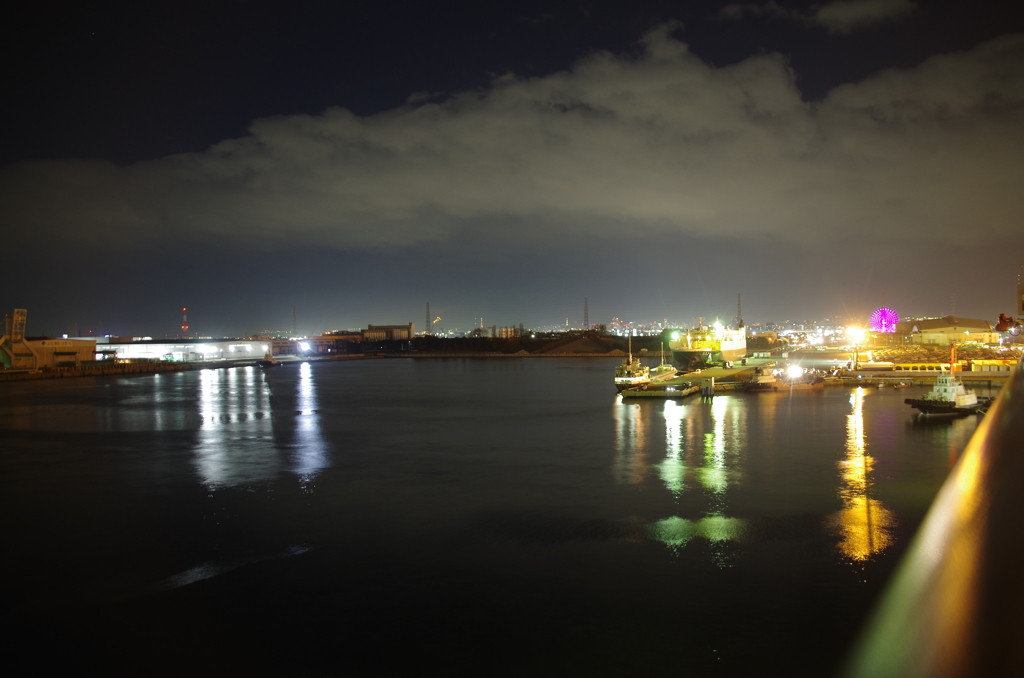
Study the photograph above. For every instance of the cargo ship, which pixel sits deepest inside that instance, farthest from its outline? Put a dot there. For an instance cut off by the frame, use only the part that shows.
(696, 349)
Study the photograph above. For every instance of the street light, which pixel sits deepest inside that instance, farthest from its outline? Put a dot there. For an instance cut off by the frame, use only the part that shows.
(857, 334)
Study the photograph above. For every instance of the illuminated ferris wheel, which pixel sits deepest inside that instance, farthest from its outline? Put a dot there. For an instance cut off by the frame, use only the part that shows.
(884, 320)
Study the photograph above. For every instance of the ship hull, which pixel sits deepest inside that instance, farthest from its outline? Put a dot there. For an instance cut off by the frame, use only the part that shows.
(946, 407)
(698, 352)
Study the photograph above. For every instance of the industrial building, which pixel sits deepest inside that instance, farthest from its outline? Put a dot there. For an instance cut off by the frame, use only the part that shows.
(181, 350)
(389, 332)
(944, 331)
(18, 352)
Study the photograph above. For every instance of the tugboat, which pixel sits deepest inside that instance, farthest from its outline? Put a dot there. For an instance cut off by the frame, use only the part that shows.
(948, 396)
(631, 373)
(268, 361)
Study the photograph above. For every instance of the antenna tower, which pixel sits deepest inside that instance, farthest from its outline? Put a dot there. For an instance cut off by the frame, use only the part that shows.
(586, 316)
(184, 323)
(294, 331)
(427, 327)
(739, 312)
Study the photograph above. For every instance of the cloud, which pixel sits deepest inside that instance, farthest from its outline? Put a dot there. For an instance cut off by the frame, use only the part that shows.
(654, 145)
(838, 16)
(846, 16)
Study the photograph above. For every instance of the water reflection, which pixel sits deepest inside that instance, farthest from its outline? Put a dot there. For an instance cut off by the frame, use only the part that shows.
(629, 466)
(947, 433)
(248, 418)
(672, 469)
(310, 454)
(676, 532)
(233, 443)
(863, 523)
(704, 446)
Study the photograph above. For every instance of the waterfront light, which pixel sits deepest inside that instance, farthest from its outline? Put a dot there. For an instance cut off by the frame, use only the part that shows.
(795, 371)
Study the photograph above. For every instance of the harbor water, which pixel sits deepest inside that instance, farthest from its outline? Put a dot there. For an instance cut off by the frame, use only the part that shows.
(464, 517)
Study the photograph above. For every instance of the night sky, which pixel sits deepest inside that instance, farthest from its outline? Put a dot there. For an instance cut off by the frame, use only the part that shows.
(507, 161)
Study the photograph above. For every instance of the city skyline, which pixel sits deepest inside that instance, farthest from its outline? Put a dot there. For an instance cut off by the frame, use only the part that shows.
(509, 162)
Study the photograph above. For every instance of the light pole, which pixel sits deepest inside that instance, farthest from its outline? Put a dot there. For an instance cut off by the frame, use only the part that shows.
(857, 335)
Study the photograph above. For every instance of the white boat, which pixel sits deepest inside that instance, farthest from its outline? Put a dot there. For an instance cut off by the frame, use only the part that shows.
(949, 396)
(632, 373)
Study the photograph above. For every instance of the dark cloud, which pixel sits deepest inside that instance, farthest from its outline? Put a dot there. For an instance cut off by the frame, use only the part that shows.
(660, 143)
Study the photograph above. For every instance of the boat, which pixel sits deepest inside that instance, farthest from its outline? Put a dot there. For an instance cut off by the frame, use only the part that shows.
(948, 396)
(807, 382)
(664, 371)
(632, 373)
(679, 391)
(706, 345)
(763, 379)
(268, 361)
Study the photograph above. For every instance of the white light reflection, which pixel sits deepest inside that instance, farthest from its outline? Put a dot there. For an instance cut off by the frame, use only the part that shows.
(713, 434)
(715, 473)
(234, 444)
(672, 469)
(310, 453)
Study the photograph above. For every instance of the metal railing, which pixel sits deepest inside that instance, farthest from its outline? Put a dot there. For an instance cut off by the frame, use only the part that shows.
(955, 607)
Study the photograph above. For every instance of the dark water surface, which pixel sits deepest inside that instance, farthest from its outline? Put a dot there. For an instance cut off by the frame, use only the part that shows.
(465, 517)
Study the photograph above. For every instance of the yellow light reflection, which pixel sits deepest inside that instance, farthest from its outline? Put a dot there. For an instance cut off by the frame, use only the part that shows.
(863, 524)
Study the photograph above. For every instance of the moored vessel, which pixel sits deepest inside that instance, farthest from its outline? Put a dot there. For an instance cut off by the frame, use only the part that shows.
(631, 373)
(948, 396)
(763, 379)
(664, 371)
(807, 382)
(703, 346)
(268, 361)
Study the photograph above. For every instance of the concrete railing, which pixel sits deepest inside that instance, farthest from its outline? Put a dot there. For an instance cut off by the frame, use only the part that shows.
(955, 607)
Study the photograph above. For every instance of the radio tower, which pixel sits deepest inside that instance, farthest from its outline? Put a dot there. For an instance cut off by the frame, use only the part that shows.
(426, 328)
(586, 316)
(739, 313)
(184, 323)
